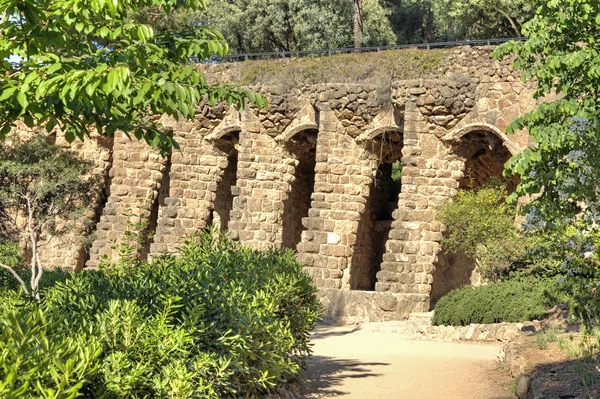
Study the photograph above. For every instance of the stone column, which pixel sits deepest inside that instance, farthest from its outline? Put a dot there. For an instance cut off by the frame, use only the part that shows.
(343, 176)
(429, 178)
(195, 173)
(265, 172)
(136, 173)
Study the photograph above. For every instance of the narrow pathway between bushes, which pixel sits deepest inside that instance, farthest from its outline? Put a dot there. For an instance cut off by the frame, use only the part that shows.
(379, 362)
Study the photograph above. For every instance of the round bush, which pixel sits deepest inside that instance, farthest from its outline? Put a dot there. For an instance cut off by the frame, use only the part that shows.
(507, 301)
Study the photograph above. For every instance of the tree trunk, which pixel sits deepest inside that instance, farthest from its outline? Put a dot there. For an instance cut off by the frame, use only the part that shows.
(358, 23)
(512, 24)
(36, 265)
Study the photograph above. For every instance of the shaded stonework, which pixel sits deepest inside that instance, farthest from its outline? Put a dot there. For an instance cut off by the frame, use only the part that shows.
(313, 172)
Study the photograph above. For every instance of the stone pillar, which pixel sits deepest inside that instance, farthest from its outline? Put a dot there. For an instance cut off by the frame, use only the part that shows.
(343, 176)
(136, 173)
(195, 173)
(265, 172)
(428, 180)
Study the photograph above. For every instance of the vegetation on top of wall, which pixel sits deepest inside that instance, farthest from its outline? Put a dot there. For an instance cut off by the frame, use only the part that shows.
(506, 301)
(373, 68)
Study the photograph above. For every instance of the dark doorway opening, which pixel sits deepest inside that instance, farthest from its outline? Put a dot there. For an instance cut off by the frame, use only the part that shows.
(223, 204)
(376, 221)
(303, 148)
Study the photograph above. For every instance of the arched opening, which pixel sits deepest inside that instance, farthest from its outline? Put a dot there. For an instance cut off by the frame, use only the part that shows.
(376, 220)
(303, 148)
(484, 155)
(223, 203)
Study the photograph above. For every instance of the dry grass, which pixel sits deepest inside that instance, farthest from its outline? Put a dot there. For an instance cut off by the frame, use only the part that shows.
(374, 68)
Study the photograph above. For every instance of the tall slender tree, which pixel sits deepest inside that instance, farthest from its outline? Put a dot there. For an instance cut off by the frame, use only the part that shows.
(358, 23)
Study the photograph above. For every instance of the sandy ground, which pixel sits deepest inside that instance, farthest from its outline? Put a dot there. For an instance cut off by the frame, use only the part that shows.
(353, 363)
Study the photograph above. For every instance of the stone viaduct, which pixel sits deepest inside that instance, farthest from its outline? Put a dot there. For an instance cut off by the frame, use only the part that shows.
(318, 172)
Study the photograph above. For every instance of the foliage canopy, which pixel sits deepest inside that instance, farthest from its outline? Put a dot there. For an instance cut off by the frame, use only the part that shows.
(561, 169)
(78, 64)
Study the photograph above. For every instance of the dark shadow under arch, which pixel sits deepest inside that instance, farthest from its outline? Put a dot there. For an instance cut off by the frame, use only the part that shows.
(223, 202)
(303, 148)
(376, 221)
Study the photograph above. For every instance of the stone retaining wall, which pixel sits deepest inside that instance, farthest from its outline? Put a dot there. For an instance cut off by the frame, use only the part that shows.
(312, 173)
(498, 332)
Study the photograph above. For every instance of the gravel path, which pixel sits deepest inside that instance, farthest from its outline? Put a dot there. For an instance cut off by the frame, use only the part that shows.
(373, 362)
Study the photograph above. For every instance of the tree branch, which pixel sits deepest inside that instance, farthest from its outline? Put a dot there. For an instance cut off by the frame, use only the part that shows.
(512, 23)
(19, 279)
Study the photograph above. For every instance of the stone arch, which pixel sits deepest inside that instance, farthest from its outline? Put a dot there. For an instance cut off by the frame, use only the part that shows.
(383, 146)
(232, 123)
(306, 120)
(301, 145)
(387, 121)
(456, 134)
(483, 151)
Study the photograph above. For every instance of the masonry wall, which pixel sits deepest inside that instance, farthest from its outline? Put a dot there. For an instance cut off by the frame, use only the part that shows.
(303, 174)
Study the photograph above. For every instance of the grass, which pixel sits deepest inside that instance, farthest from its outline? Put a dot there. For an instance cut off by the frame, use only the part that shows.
(541, 341)
(371, 68)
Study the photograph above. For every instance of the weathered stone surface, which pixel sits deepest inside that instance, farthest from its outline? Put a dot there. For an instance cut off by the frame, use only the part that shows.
(501, 332)
(350, 307)
(313, 172)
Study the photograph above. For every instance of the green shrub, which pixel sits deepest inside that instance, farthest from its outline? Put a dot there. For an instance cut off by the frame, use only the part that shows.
(11, 256)
(507, 301)
(218, 321)
(40, 358)
(481, 224)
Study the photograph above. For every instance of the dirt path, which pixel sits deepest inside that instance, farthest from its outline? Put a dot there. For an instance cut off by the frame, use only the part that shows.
(353, 363)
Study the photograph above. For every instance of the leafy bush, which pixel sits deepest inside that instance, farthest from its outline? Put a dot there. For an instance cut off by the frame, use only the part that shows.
(11, 257)
(507, 301)
(218, 321)
(480, 224)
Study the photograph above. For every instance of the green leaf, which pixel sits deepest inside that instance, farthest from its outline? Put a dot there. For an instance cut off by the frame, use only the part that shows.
(112, 80)
(53, 68)
(5, 130)
(7, 93)
(22, 100)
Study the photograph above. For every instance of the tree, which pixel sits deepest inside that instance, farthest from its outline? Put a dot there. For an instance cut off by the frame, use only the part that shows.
(562, 55)
(78, 64)
(287, 25)
(358, 23)
(43, 188)
(488, 19)
(376, 26)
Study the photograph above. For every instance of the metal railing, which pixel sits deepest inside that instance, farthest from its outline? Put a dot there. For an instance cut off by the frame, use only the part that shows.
(330, 51)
